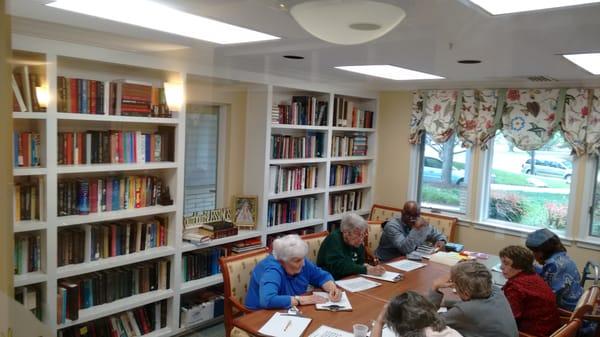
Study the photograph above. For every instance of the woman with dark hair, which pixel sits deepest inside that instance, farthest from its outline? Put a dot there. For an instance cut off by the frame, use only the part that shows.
(557, 268)
(532, 301)
(412, 315)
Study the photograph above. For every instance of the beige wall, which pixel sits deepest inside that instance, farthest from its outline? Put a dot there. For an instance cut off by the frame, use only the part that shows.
(392, 179)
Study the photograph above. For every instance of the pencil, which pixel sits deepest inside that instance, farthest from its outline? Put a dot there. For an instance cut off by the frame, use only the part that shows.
(287, 325)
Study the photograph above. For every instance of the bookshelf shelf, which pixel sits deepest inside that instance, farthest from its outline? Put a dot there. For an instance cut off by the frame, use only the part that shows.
(29, 225)
(242, 235)
(345, 129)
(29, 278)
(124, 304)
(29, 115)
(284, 227)
(29, 171)
(298, 127)
(159, 333)
(112, 262)
(339, 216)
(297, 161)
(200, 325)
(113, 215)
(116, 119)
(348, 187)
(351, 158)
(67, 169)
(293, 194)
(201, 283)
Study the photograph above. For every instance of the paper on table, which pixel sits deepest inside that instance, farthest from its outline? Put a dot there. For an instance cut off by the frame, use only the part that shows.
(389, 276)
(406, 265)
(327, 331)
(357, 284)
(276, 325)
(385, 332)
(496, 267)
(343, 304)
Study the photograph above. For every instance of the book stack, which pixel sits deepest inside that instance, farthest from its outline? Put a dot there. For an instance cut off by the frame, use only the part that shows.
(284, 179)
(342, 146)
(115, 147)
(304, 110)
(344, 174)
(91, 195)
(27, 149)
(345, 202)
(347, 114)
(220, 229)
(201, 263)
(86, 291)
(31, 298)
(23, 82)
(29, 199)
(136, 322)
(133, 98)
(290, 147)
(291, 210)
(28, 253)
(301, 231)
(246, 245)
(83, 96)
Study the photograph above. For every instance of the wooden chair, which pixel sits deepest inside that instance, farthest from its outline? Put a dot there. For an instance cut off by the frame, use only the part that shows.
(445, 224)
(237, 270)
(382, 213)
(586, 304)
(567, 330)
(372, 239)
(314, 242)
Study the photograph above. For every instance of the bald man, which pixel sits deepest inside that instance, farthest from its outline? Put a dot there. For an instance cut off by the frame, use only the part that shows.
(403, 235)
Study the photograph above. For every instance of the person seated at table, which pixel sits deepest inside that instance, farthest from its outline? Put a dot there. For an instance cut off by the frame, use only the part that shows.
(532, 301)
(342, 253)
(556, 267)
(411, 314)
(281, 278)
(483, 311)
(403, 235)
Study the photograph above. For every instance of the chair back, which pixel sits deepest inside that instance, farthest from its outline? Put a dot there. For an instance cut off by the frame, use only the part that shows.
(568, 330)
(591, 271)
(372, 240)
(382, 213)
(586, 303)
(314, 241)
(444, 224)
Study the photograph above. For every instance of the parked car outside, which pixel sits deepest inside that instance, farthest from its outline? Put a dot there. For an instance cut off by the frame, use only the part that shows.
(432, 171)
(549, 167)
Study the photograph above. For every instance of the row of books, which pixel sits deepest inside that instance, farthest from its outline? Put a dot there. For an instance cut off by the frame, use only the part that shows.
(115, 147)
(291, 210)
(290, 147)
(201, 263)
(345, 202)
(135, 322)
(304, 110)
(86, 291)
(99, 241)
(343, 146)
(301, 231)
(347, 113)
(91, 195)
(345, 174)
(29, 199)
(24, 81)
(31, 298)
(27, 149)
(27, 253)
(284, 179)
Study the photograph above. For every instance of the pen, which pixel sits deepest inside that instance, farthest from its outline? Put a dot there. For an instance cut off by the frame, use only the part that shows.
(287, 325)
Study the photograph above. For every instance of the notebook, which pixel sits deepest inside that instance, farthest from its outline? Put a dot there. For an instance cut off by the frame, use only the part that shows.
(342, 305)
(282, 324)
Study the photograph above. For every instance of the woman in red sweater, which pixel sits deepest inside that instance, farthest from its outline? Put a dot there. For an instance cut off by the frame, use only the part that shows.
(532, 301)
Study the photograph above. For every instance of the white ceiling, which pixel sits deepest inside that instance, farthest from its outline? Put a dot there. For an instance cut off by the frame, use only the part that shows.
(434, 35)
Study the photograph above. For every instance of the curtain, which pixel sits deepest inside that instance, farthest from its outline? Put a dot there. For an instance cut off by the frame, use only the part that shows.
(416, 119)
(574, 125)
(439, 114)
(593, 127)
(531, 116)
(476, 124)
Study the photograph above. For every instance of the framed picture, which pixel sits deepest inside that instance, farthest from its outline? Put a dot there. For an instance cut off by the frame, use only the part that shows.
(245, 211)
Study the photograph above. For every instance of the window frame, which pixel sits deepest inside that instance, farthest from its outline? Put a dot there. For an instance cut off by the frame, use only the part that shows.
(592, 165)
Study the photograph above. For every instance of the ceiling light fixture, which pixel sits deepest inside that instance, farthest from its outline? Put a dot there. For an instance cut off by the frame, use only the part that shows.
(293, 57)
(390, 72)
(469, 61)
(152, 15)
(496, 7)
(347, 22)
(589, 62)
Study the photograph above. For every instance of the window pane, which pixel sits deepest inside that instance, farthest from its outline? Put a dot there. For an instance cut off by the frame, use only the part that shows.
(595, 226)
(444, 176)
(201, 157)
(531, 188)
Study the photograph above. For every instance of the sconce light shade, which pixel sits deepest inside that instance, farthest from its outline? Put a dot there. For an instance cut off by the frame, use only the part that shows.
(43, 96)
(347, 22)
(174, 95)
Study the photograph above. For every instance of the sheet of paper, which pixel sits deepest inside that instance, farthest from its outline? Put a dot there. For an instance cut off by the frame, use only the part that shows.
(385, 332)
(406, 265)
(344, 302)
(327, 331)
(496, 267)
(389, 276)
(442, 309)
(357, 284)
(285, 325)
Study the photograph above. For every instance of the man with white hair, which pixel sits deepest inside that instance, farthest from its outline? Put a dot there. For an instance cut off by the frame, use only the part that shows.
(279, 280)
(342, 253)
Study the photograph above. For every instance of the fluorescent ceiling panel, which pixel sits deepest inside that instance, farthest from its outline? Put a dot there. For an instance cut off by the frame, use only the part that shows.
(152, 15)
(390, 72)
(589, 62)
(497, 7)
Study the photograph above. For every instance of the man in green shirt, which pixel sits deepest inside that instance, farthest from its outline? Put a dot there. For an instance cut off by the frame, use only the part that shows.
(342, 253)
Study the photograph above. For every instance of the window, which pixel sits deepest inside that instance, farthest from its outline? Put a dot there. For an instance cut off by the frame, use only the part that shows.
(444, 175)
(530, 188)
(201, 157)
(595, 218)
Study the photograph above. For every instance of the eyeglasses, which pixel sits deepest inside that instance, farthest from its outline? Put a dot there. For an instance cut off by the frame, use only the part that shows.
(356, 234)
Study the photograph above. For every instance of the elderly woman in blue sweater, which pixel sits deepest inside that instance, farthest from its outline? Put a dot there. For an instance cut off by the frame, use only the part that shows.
(282, 278)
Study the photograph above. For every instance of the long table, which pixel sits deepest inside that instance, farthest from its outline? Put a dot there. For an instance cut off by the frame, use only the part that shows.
(366, 305)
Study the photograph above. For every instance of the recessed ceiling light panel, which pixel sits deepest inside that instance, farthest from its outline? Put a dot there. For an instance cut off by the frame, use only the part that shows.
(589, 62)
(152, 15)
(390, 72)
(497, 7)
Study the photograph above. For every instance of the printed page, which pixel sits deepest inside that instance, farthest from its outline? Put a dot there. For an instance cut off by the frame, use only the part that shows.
(406, 265)
(343, 304)
(357, 284)
(285, 325)
(389, 276)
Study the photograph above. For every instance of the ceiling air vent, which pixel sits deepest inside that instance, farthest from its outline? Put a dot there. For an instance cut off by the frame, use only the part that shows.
(541, 78)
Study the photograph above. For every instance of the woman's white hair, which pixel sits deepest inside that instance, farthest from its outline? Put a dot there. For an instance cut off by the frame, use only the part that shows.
(289, 246)
(353, 221)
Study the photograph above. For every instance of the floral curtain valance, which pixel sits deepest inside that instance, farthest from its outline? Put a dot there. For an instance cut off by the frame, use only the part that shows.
(476, 122)
(439, 114)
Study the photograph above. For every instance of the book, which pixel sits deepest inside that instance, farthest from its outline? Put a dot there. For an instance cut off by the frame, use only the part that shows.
(17, 95)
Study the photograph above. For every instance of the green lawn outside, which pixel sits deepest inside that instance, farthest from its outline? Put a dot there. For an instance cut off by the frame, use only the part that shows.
(519, 179)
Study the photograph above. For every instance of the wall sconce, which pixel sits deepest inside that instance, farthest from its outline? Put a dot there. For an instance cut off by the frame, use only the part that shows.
(43, 96)
(174, 95)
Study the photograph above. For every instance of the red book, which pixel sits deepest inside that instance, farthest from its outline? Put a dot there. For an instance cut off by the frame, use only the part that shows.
(81, 147)
(93, 196)
(74, 95)
(69, 152)
(92, 96)
(120, 146)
